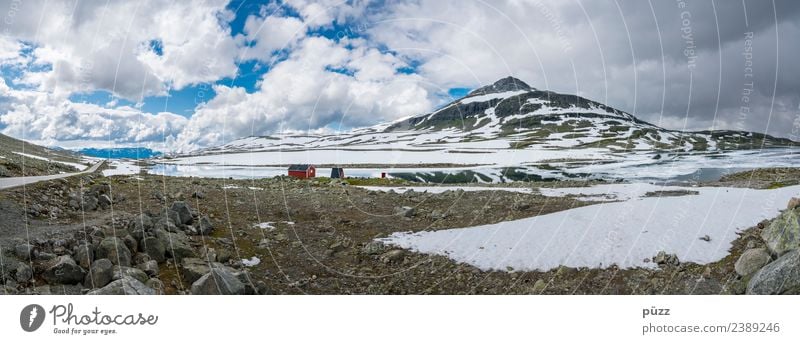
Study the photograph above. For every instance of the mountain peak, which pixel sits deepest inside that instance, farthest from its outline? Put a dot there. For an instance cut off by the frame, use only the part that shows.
(506, 84)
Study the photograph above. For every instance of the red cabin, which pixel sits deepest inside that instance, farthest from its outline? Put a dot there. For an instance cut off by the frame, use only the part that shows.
(302, 171)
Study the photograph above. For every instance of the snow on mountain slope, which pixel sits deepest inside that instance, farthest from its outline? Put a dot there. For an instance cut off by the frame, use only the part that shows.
(508, 131)
(509, 114)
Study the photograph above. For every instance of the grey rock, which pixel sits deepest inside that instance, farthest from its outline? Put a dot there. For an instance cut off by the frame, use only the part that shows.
(44, 256)
(184, 212)
(405, 211)
(223, 256)
(205, 227)
(664, 259)
(84, 255)
(100, 274)
(219, 281)
(140, 258)
(702, 286)
(156, 285)
(124, 286)
(115, 250)
(176, 244)
(131, 243)
(154, 248)
(373, 248)
(24, 251)
(393, 256)
(194, 268)
(793, 203)
(245, 278)
(24, 273)
(140, 225)
(170, 221)
(90, 203)
(751, 260)
(783, 233)
(63, 270)
(150, 268)
(127, 271)
(779, 277)
(104, 201)
(100, 189)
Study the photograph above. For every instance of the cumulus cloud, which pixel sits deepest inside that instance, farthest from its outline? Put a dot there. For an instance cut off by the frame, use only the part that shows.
(98, 45)
(265, 35)
(319, 13)
(38, 116)
(322, 83)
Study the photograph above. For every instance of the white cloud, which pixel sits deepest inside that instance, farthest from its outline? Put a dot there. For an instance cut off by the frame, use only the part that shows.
(106, 45)
(43, 118)
(320, 13)
(269, 34)
(310, 90)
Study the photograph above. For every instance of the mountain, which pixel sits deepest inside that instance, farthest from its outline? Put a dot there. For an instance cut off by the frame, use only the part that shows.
(510, 114)
(120, 153)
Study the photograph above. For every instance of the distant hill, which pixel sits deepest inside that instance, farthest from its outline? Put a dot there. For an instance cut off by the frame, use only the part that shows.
(510, 114)
(120, 153)
(20, 158)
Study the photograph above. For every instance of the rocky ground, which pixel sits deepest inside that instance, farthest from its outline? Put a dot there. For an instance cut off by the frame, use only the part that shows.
(151, 234)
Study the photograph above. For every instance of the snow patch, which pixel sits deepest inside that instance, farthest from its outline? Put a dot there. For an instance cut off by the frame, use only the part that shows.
(597, 236)
(251, 262)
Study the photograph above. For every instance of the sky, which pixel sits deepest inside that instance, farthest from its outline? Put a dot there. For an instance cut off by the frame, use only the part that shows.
(182, 75)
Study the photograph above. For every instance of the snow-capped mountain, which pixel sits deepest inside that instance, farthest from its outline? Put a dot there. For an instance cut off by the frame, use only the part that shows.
(510, 114)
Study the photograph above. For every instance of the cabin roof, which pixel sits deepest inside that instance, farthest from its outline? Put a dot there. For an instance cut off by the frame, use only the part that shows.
(299, 167)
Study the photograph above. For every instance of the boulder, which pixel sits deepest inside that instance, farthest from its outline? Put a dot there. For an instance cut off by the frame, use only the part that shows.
(24, 273)
(126, 285)
(154, 248)
(184, 212)
(405, 211)
(100, 189)
(194, 268)
(219, 281)
(156, 285)
(205, 227)
(752, 260)
(63, 270)
(149, 267)
(90, 203)
(783, 233)
(793, 203)
(24, 251)
(176, 244)
(131, 243)
(779, 277)
(104, 201)
(140, 225)
(84, 255)
(100, 274)
(115, 250)
(127, 271)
